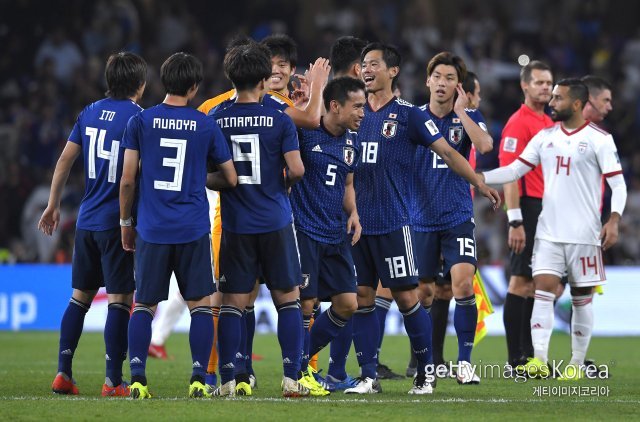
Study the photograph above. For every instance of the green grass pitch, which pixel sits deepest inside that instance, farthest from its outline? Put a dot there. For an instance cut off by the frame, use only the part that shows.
(28, 364)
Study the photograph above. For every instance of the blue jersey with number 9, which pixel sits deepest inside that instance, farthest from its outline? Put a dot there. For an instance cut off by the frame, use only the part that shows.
(98, 131)
(174, 143)
(258, 137)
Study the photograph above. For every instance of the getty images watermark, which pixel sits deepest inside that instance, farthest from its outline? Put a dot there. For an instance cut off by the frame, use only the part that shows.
(519, 374)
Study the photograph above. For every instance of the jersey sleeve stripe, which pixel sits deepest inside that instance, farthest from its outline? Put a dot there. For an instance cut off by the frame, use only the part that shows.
(613, 173)
(526, 162)
(598, 128)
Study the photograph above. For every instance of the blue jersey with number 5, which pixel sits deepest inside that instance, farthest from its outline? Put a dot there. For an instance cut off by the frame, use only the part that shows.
(389, 138)
(174, 144)
(98, 130)
(258, 138)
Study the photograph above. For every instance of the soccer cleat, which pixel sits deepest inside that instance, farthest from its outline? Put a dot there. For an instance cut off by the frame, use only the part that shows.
(226, 390)
(365, 386)
(158, 352)
(121, 390)
(139, 391)
(466, 374)
(572, 373)
(198, 390)
(62, 384)
(421, 385)
(332, 384)
(292, 388)
(385, 373)
(534, 368)
(253, 381)
(243, 389)
(308, 380)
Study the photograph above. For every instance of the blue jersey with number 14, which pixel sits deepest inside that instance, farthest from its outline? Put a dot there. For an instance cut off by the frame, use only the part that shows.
(388, 139)
(442, 198)
(174, 143)
(98, 131)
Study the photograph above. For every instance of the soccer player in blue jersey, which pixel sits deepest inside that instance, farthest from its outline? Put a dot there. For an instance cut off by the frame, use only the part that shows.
(326, 194)
(442, 214)
(171, 144)
(257, 230)
(390, 133)
(98, 259)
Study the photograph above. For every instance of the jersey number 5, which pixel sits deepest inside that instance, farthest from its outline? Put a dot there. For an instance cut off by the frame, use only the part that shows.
(111, 155)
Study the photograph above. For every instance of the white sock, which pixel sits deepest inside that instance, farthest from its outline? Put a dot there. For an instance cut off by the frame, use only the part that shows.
(542, 323)
(168, 319)
(581, 327)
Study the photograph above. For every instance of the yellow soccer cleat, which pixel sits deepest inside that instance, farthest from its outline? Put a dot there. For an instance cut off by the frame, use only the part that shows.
(139, 391)
(243, 389)
(309, 381)
(572, 372)
(198, 390)
(534, 368)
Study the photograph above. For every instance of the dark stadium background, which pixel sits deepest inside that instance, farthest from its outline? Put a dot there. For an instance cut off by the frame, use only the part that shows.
(40, 98)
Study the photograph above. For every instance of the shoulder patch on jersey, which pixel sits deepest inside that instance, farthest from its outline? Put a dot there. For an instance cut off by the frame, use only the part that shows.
(403, 102)
(276, 99)
(510, 144)
(433, 129)
(483, 126)
(348, 153)
(389, 128)
(455, 134)
(423, 107)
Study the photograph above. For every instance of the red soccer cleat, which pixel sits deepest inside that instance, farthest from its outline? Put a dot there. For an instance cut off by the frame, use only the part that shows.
(121, 390)
(63, 385)
(158, 352)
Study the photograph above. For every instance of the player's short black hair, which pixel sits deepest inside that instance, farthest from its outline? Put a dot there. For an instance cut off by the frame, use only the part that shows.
(283, 46)
(595, 84)
(246, 65)
(577, 89)
(449, 59)
(338, 89)
(390, 55)
(345, 51)
(469, 84)
(525, 72)
(180, 72)
(125, 74)
(238, 40)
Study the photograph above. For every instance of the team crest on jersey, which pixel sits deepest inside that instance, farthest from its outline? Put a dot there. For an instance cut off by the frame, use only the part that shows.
(348, 141)
(348, 154)
(389, 128)
(455, 134)
(305, 281)
(582, 147)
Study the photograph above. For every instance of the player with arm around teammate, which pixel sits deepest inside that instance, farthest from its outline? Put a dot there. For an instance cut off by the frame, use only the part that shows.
(574, 155)
(169, 145)
(98, 258)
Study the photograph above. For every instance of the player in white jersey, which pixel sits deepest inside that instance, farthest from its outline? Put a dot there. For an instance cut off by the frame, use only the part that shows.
(574, 155)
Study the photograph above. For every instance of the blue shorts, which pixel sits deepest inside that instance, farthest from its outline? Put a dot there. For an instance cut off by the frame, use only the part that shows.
(191, 262)
(245, 257)
(99, 260)
(388, 258)
(438, 251)
(327, 270)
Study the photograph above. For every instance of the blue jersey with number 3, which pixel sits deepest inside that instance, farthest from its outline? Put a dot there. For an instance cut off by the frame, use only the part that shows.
(388, 139)
(317, 199)
(442, 198)
(98, 130)
(174, 143)
(258, 137)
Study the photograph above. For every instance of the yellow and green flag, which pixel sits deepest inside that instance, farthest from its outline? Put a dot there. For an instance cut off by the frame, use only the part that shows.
(483, 303)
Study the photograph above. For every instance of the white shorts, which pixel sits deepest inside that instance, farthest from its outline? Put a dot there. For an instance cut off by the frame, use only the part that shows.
(582, 263)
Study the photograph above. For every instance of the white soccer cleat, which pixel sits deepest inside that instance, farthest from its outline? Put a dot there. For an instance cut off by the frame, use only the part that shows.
(466, 374)
(365, 386)
(292, 388)
(421, 385)
(226, 390)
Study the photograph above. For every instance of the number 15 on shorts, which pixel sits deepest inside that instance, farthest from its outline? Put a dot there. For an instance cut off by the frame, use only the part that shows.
(467, 246)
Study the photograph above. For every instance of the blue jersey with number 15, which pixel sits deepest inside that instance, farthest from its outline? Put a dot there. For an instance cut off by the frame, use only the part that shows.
(98, 131)
(174, 143)
(258, 137)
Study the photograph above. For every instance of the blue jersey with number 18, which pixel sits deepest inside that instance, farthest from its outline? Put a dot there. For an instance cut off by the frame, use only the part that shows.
(258, 137)
(98, 130)
(174, 143)
(389, 138)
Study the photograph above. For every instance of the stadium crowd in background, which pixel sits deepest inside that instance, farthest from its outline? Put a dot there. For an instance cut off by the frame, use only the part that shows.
(50, 72)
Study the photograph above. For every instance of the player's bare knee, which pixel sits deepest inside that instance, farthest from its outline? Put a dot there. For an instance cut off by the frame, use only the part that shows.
(284, 296)
(581, 291)
(521, 286)
(84, 296)
(444, 292)
(426, 292)
(126, 298)
(307, 306)
(344, 305)
(405, 299)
